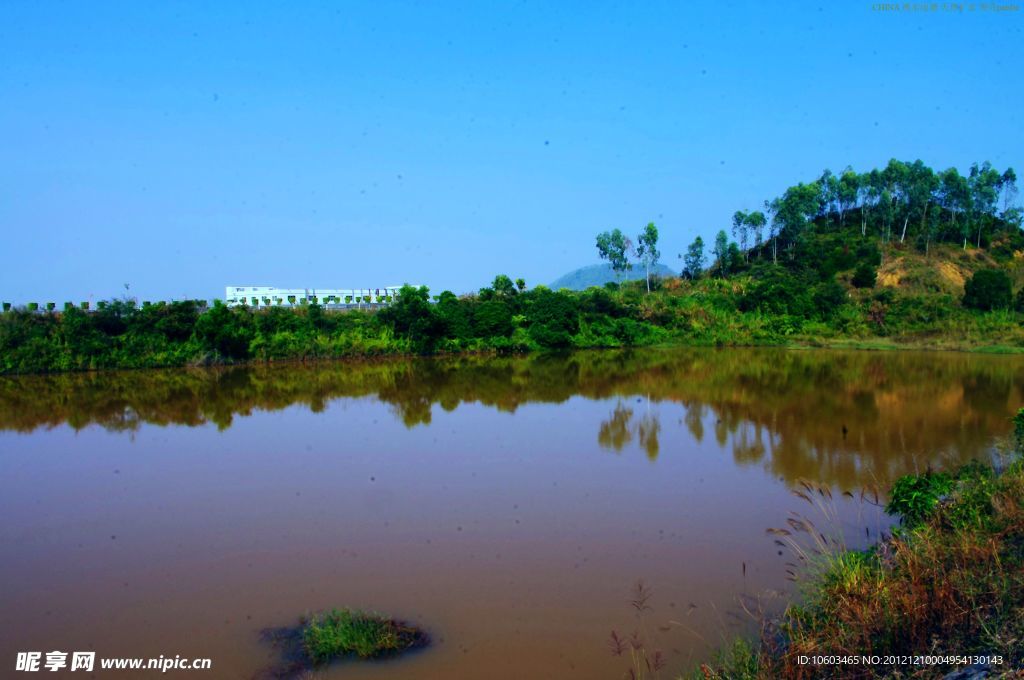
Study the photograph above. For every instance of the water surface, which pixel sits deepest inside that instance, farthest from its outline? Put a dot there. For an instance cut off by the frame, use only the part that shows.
(506, 504)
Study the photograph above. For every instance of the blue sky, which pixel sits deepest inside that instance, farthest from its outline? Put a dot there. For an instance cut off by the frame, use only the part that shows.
(181, 147)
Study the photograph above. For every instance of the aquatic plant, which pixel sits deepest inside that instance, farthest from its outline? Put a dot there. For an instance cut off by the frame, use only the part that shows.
(644, 661)
(345, 632)
(337, 634)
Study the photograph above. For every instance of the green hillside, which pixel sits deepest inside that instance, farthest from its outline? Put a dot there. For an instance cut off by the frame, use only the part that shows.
(600, 274)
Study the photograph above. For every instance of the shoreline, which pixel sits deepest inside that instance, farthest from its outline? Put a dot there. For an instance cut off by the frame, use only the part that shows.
(848, 344)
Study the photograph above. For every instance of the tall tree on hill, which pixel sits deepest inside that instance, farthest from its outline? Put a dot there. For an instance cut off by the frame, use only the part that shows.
(693, 262)
(614, 246)
(954, 196)
(722, 251)
(871, 184)
(849, 189)
(796, 208)
(921, 185)
(1009, 187)
(756, 221)
(771, 209)
(739, 229)
(828, 185)
(647, 250)
(985, 184)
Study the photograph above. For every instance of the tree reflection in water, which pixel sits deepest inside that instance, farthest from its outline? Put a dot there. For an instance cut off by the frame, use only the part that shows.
(846, 418)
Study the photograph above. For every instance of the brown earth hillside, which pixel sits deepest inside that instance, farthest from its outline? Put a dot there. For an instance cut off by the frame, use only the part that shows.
(943, 270)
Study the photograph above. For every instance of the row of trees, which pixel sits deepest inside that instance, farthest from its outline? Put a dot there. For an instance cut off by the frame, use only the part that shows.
(903, 200)
(617, 248)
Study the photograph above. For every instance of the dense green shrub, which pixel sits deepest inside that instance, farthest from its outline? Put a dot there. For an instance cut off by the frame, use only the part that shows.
(864, 276)
(553, 317)
(913, 497)
(775, 290)
(492, 318)
(828, 297)
(225, 331)
(988, 289)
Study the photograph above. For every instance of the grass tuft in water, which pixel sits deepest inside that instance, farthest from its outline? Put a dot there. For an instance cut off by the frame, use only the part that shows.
(346, 632)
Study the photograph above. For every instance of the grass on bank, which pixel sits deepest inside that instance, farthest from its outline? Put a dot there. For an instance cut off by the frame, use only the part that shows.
(345, 632)
(949, 581)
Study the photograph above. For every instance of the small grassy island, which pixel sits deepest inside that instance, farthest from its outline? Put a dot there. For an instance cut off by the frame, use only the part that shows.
(344, 632)
(899, 257)
(338, 634)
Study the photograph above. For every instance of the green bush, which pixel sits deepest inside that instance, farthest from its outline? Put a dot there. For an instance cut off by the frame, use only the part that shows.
(914, 497)
(776, 291)
(828, 297)
(988, 289)
(864, 276)
(492, 318)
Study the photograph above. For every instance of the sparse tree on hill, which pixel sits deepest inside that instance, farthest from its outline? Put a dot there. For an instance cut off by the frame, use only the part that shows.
(722, 251)
(647, 250)
(693, 262)
(756, 221)
(740, 231)
(614, 246)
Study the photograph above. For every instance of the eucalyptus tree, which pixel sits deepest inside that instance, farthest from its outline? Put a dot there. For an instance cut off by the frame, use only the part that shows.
(739, 229)
(771, 209)
(1009, 188)
(921, 185)
(796, 209)
(647, 250)
(693, 262)
(614, 246)
(849, 190)
(828, 186)
(722, 251)
(985, 184)
(756, 221)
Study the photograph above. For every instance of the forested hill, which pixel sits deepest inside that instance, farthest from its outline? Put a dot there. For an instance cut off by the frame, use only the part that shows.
(906, 227)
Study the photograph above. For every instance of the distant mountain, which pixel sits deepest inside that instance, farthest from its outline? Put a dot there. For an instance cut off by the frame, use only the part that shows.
(600, 274)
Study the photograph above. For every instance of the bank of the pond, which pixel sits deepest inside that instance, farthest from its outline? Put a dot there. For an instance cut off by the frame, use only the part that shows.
(705, 313)
(945, 591)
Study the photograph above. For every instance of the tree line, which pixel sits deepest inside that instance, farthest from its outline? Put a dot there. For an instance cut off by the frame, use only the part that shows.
(904, 200)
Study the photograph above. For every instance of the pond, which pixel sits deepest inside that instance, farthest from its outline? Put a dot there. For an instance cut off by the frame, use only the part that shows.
(508, 505)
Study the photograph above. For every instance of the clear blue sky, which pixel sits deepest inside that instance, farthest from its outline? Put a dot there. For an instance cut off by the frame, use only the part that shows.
(180, 147)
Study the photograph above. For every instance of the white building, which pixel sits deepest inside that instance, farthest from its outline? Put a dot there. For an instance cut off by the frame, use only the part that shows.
(269, 296)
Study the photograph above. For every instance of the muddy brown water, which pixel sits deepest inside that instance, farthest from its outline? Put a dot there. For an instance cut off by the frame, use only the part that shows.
(508, 505)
